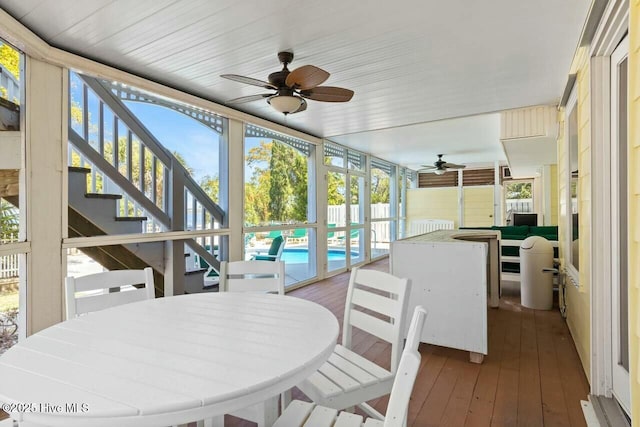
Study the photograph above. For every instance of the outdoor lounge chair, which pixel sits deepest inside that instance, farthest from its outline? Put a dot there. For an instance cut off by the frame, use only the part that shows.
(299, 235)
(275, 251)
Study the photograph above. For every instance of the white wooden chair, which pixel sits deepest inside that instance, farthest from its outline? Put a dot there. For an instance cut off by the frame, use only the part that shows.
(348, 379)
(105, 282)
(252, 276)
(305, 414)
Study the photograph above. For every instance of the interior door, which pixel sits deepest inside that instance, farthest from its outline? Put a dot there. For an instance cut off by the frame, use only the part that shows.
(619, 224)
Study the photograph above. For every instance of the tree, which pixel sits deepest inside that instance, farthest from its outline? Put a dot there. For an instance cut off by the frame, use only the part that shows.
(10, 60)
(518, 190)
(379, 186)
(335, 189)
(211, 186)
(280, 189)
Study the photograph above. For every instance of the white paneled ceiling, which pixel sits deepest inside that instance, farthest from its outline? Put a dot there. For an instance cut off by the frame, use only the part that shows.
(409, 61)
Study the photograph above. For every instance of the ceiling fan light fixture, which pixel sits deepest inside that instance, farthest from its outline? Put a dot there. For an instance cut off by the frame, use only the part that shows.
(285, 104)
(439, 171)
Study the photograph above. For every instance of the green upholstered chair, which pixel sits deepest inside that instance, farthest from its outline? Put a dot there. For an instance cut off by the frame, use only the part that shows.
(275, 251)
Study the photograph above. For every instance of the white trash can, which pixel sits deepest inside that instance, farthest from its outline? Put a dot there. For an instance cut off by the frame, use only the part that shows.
(536, 286)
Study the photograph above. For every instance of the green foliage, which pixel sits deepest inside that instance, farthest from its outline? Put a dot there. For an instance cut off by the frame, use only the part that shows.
(335, 189)
(9, 221)
(211, 186)
(278, 192)
(10, 60)
(518, 190)
(379, 186)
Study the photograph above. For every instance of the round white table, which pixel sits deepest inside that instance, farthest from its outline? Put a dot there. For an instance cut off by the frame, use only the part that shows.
(166, 361)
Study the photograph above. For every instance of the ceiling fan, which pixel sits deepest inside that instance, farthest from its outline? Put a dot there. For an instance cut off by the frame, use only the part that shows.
(440, 166)
(292, 87)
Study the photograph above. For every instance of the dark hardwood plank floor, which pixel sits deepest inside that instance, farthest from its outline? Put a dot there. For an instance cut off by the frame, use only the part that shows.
(531, 377)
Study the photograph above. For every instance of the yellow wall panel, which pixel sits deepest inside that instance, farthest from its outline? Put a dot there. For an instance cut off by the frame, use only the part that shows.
(478, 206)
(433, 203)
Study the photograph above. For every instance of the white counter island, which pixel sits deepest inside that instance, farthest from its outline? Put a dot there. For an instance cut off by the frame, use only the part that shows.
(451, 273)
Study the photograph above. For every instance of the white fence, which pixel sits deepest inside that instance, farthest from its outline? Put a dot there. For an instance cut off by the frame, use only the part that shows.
(519, 205)
(9, 264)
(380, 230)
(422, 226)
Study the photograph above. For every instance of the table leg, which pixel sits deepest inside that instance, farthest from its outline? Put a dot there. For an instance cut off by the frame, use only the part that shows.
(476, 357)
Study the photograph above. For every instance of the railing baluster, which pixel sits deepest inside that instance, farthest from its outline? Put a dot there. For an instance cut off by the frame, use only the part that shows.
(101, 129)
(85, 112)
(194, 212)
(93, 180)
(142, 171)
(154, 181)
(114, 144)
(129, 156)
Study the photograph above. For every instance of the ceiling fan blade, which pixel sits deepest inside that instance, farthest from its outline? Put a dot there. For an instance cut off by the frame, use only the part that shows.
(306, 77)
(248, 80)
(328, 94)
(303, 106)
(248, 98)
(427, 167)
(453, 166)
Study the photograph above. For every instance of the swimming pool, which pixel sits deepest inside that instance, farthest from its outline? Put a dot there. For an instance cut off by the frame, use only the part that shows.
(301, 255)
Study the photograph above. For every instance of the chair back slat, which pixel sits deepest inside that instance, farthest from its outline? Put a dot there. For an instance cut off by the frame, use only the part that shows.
(103, 284)
(378, 303)
(383, 297)
(378, 327)
(379, 280)
(92, 303)
(252, 276)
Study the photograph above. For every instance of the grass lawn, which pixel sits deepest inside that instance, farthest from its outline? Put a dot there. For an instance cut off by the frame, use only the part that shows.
(8, 301)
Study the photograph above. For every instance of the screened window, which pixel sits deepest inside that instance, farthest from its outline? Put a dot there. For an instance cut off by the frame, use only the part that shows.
(277, 187)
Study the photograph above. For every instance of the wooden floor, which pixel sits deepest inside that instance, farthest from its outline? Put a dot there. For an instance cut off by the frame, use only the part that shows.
(531, 377)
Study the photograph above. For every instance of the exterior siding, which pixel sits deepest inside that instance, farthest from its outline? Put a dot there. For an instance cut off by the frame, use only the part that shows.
(634, 206)
(433, 203)
(578, 298)
(554, 195)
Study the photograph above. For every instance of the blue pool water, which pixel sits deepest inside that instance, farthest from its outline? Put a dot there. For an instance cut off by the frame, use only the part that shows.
(301, 256)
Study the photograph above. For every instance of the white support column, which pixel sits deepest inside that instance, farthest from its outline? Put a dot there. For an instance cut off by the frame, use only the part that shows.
(45, 132)
(460, 199)
(497, 195)
(321, 179)
(546, 194)
(236, 189)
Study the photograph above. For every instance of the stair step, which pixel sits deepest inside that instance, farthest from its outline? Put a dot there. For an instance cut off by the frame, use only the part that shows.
(198, 271)
(79, 169)
(103, 196)
(131, 218)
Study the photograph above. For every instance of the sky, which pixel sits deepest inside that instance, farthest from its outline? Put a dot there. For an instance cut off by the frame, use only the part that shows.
(197, 143)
